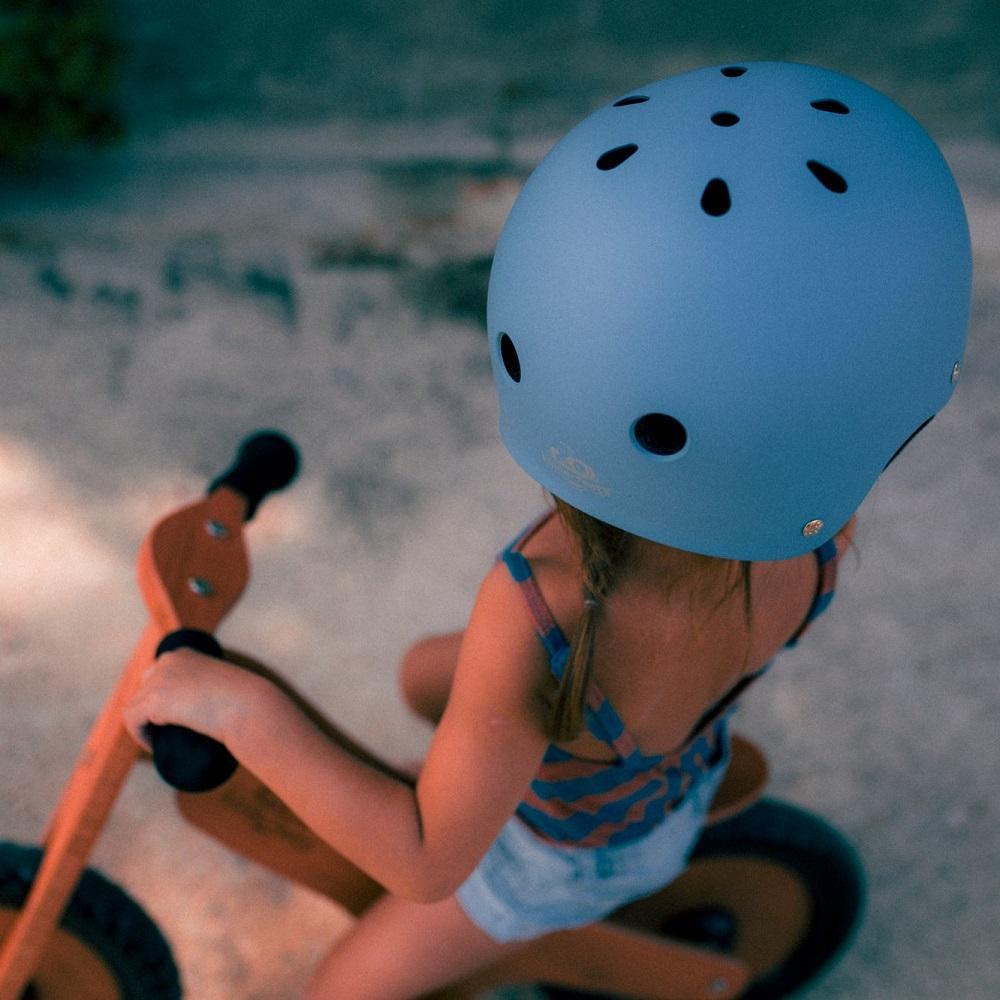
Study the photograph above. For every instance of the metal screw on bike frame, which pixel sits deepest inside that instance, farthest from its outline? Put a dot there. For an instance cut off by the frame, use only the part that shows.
(201, 587)
(719, 985)
(217, 529)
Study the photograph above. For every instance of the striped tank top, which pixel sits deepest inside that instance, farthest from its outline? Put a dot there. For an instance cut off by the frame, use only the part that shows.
(586, 803)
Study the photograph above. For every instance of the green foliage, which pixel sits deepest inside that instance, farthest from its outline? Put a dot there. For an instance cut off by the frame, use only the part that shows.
(58, 65)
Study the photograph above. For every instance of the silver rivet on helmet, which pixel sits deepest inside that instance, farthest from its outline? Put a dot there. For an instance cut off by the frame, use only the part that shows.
(813, 528)
(956, 372)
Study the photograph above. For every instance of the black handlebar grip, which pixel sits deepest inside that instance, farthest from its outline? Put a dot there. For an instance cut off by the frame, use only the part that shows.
(190, 761)
(266, 461)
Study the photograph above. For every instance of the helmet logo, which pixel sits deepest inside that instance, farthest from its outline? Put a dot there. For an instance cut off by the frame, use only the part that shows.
(574, 470)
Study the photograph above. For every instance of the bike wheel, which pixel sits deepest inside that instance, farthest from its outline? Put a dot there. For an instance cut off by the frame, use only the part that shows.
(105, 948)
(776, 887)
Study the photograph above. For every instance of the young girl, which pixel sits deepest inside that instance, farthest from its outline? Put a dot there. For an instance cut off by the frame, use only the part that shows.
(718, 310)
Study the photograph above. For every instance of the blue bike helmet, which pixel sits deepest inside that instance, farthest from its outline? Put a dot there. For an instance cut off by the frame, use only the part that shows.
(721, 304)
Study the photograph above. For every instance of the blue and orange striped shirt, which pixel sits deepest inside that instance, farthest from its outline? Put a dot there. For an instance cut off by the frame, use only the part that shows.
(586, 803)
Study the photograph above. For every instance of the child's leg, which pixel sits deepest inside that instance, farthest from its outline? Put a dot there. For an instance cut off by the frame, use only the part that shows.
(426, 673)
(400, 950)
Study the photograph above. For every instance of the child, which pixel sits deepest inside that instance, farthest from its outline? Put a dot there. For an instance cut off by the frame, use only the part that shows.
(718, 310)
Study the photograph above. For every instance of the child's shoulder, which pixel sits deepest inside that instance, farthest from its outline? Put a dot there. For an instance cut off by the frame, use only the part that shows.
(503, 609)
(844, 538)
(501, 656)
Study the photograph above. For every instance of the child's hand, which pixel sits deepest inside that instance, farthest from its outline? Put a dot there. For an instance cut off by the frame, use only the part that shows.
(186, 688)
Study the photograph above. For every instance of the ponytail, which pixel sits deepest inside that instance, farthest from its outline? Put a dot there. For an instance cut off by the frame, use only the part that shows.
(604, 552)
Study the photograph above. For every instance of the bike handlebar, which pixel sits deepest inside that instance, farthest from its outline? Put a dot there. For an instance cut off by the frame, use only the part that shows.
(266, 461)
(191, 762)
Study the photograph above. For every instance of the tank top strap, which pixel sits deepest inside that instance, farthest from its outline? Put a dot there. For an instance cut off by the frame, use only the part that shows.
(827, 560)
(546, 627)
(602, 719)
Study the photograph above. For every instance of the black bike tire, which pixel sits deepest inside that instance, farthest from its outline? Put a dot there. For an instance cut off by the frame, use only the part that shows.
(103, 917)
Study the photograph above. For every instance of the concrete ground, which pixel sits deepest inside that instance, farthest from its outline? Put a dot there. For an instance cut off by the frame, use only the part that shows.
(268, 249)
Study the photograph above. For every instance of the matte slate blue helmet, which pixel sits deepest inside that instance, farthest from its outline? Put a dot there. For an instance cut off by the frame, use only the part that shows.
(721, 304)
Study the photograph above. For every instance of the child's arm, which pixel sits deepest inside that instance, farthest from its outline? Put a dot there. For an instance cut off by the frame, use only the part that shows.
(419, 843)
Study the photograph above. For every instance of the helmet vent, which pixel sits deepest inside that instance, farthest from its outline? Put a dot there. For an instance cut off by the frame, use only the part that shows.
(834, 107)
(830, 179)
(508, 354)
(734, 71)
(725, 118)
(659, 434)
(615, 157)
(625, 101)
(715, 198)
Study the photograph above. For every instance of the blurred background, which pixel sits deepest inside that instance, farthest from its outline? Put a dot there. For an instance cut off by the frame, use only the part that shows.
(218, 217)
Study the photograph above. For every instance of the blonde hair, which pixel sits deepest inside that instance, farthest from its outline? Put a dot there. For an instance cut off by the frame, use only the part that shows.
(606, 553)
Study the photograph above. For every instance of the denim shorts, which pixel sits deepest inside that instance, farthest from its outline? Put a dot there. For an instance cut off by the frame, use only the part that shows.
(525, 887)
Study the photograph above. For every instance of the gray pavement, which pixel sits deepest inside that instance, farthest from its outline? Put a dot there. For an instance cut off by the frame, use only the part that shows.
(298, 235)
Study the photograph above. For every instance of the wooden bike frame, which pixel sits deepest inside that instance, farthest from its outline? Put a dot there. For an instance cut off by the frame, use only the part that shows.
(192, 568)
